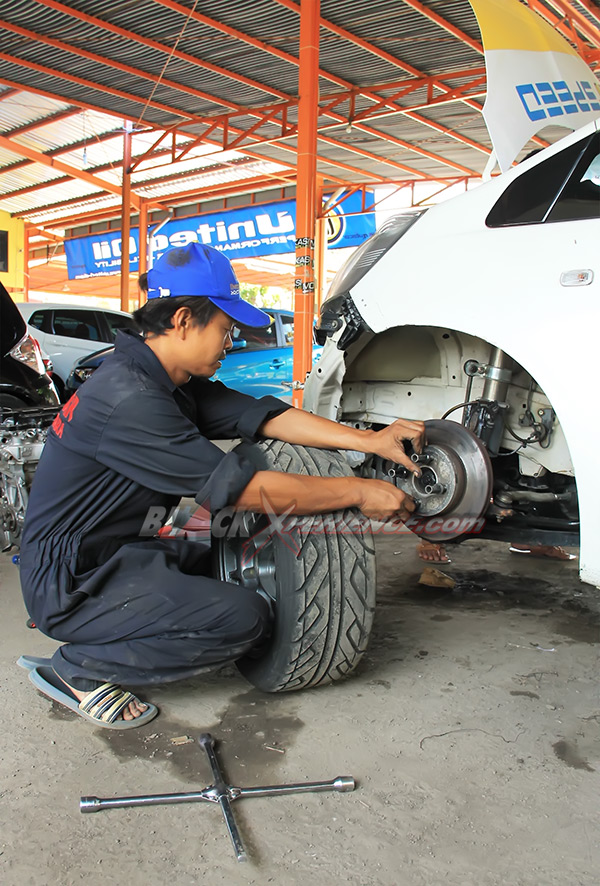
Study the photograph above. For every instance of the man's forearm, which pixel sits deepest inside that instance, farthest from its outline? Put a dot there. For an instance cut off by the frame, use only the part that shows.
(270, 492)
(276, 492)
(306, 429)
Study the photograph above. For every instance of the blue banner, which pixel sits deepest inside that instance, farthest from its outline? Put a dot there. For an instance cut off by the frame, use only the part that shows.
(247, 232)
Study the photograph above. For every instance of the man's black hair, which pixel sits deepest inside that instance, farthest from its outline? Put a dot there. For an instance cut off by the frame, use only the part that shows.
(154, 318)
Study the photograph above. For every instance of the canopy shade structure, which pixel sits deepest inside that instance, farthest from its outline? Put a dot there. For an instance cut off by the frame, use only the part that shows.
(211, 92)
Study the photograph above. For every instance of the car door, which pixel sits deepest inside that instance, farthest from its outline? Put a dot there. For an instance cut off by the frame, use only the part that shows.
(74, 333)
(254, 364)
(113, 322)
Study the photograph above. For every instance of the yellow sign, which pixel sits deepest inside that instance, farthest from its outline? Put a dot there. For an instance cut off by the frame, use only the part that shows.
(535, 78)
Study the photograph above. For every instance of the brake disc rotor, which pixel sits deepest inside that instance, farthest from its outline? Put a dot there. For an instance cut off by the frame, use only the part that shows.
(455, 486)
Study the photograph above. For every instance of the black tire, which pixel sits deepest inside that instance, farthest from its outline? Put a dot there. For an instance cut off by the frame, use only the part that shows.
(322, 580)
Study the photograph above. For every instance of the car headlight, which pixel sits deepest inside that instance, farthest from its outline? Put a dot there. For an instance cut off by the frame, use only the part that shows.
(338, 302)
(82, 374)
(369, 253)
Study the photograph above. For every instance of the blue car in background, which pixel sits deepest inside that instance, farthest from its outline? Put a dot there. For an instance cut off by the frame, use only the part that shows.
(259, 363)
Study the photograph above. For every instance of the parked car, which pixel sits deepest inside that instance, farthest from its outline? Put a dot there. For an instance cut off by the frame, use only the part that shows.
(66, 333)
(24, 381)
(482, 314)
(259, 363)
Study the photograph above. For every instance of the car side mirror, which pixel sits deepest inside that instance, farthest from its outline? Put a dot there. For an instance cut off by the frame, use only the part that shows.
(239, 344)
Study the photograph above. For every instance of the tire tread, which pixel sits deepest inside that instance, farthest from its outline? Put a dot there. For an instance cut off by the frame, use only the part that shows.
(334, 584)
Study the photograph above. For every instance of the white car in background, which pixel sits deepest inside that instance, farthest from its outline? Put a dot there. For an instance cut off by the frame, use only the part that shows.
(482, 314)
(67, 332)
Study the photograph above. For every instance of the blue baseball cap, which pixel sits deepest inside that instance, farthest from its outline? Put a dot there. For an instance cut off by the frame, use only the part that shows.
(197, 269)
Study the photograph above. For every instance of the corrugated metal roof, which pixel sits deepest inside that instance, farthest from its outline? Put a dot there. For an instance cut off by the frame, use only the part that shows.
(181, 63)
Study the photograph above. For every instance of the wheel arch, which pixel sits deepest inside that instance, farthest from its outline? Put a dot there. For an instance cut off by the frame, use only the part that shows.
(535, 357)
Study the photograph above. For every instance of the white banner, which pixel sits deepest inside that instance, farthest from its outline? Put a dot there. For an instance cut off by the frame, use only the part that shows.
(534, 77)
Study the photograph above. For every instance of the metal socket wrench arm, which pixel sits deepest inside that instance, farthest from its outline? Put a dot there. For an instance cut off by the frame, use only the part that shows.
(224, 795)
(220, 792)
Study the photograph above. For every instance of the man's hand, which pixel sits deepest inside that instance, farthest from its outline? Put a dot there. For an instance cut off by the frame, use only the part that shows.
(381, 500)
(388, 443)
(297, 426)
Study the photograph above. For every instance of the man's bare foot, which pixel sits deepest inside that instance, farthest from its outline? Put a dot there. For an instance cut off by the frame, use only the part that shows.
(432, 553)
(554, 552)
(131, 712)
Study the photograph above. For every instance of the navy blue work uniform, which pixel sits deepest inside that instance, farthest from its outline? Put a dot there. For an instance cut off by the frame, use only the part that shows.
(121, 453)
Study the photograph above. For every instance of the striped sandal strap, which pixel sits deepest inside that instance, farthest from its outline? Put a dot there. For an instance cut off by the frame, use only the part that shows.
(106, 702)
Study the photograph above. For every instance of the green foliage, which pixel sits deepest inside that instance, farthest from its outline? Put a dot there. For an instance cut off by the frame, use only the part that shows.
(261, 296)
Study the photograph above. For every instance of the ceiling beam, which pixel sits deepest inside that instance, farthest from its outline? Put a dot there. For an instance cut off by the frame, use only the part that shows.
(54, 4)
(443, 23)
(72, 171)
(374, 113)
(591, 8)
(263, 117)
(84, 105)
(289, 4)
(169, 51)
(48, 235)
(90, 216)
(561, 23)
(66, 149)
(43, 121)
(191, 117)
(276, 177)
(272, 50)
(96, 87)
(37, 91)
(9, 195)
(9, 93)
(118, 66)
(585, 26)
(207, 193)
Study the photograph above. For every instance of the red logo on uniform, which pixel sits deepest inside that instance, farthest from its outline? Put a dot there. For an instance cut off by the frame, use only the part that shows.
(66, 414)
(70, 407)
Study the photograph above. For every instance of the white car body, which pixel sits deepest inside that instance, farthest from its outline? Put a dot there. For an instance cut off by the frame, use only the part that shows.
(449, 289)
(64, 350)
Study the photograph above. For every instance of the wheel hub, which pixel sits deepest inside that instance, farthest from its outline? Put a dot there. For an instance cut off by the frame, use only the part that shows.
(246, 555)
(456, 480)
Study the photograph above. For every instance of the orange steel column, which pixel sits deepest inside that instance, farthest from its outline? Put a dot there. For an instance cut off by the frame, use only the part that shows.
(143, 247)
(125, 217)
(306, 194)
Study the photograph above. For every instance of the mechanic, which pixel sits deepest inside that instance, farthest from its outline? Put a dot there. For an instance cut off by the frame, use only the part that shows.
(129, 606)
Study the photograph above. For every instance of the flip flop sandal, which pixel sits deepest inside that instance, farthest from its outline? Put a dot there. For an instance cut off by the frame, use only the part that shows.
(29, 662)
(101, 707)
(529, 553)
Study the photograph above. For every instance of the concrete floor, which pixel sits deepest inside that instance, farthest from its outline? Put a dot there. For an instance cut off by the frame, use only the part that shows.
(472, 727)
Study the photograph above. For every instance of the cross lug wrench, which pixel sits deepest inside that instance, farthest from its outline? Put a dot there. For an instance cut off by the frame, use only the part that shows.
(220, 792)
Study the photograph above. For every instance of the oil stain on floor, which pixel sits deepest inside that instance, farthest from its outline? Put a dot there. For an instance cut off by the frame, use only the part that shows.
(252, 735)
(569, 753)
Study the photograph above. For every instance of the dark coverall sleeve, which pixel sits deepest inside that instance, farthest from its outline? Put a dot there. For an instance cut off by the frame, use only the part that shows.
(223, 413)
(150, 441)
